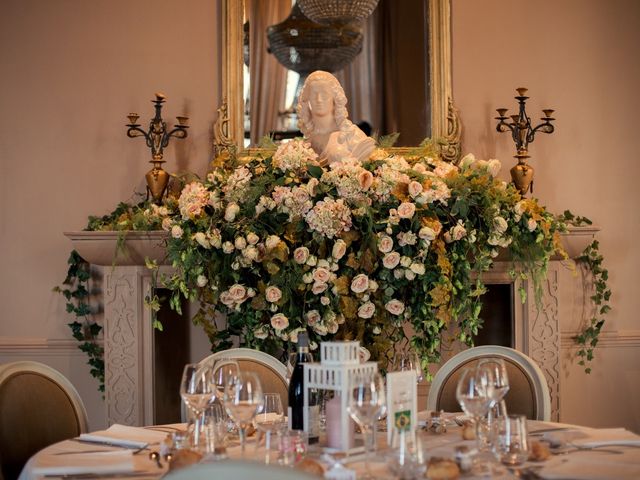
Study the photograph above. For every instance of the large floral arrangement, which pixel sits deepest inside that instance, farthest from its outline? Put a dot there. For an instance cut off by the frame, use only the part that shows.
(278, 244)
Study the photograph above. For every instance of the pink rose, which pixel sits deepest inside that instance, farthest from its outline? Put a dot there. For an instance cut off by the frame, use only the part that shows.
(365, 179)
(318, 288)
(279, 321)
(415, 188)
(321, 275)
(238, 292)
(406, 210)
(366, 310)
(273, 294)
(360, 283)
(394, 307)
(312, 317)
(300, 255)
(339, 249)
(385, 244)
(391, 260)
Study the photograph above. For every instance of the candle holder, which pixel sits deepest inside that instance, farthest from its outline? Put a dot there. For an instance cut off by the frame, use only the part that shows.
(157, 138)
(523, 134)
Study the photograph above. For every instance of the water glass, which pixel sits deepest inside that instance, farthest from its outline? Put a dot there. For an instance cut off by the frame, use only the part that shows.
(243, 399)
(407, 458)
(214, 427)
(498, 385)
(511, 445)
(196, 392)
(269, 419)
(407, 361)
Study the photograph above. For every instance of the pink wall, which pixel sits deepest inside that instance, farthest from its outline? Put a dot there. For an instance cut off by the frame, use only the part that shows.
(581, 58)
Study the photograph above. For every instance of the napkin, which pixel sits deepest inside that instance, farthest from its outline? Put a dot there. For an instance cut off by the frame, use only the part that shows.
(117, 461)
(125, 436)
(600, 437)
(588, 468)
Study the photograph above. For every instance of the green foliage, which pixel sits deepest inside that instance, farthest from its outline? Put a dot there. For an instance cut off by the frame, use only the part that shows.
(83, 329)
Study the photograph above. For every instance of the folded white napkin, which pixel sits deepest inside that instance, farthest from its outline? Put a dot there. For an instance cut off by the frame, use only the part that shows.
(125, 436)
(117, 461)
(600, 437)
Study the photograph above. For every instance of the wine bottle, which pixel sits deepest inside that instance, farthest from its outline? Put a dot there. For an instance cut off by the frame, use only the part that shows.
(297, 411)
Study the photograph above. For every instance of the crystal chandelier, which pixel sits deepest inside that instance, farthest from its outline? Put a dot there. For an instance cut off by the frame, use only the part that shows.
(303, 46)
(330, 11)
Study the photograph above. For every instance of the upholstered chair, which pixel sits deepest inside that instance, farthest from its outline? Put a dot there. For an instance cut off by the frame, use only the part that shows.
(528, 391)
(38, 407)
(271, 372)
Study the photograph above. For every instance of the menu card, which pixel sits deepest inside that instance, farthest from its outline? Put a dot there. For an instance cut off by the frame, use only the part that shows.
(402, 402)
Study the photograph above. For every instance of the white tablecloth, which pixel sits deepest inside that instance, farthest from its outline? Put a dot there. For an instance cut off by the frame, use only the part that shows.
(587, 465)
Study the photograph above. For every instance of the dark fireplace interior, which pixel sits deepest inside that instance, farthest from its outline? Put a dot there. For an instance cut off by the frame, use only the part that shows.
(498, 314)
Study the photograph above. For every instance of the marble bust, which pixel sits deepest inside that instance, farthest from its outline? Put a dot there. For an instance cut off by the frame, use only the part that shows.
(323, 120)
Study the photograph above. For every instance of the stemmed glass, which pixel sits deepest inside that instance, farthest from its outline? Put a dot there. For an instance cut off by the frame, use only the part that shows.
(196, 392)
(270, 419)
(224, 370)
(473, 395)
(407, 361)
(365, 404)
(497, 387)
(243, 398)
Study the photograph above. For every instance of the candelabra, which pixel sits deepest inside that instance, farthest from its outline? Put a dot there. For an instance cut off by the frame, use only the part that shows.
(523, 134)
(157, 138)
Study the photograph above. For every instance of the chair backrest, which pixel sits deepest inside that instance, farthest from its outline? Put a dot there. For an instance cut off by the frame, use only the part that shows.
(528, 391)
(38, 407)
(272, 372)
(238, 471)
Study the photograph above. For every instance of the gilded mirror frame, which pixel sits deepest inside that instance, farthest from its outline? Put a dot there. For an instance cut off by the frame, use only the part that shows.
(445, 123)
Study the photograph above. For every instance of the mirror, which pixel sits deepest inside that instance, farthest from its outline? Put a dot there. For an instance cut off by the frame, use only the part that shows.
(443, 120)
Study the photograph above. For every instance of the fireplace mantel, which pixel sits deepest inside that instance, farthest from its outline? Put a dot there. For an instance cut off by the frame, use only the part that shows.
(128, 335)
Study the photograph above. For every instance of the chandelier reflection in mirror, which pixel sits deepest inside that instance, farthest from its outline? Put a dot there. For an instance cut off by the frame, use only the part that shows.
(341, 11)
(303, 46)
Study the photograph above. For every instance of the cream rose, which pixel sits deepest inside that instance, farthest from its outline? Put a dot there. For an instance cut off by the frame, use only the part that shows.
(176, 231)
(166, 224)
(252, 238)
(260, 333)
(406, 210)
(394, 307)
(240, 243)
(339, 249)
(366, 310)
(300, 255)
(418, 268)
(532, 224)
(272, 242)
(365, 179)
(238, 292)
(321, 275)
(318, 288)
(201, 281)
(231, 211)
(385, 244)
(201, 238)
(279, 321)
(500, 224)
(406, 261)
(227, 247)
(272, 294)
(427, 234)
(415, 188)
(360, 283)
(391, 260)
(409, 275)
(312, 317)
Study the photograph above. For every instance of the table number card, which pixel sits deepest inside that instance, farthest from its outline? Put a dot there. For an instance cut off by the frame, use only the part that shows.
(402, 402)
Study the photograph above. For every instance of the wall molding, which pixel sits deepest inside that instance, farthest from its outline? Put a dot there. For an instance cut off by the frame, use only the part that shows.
(39, 346)
(610, 339)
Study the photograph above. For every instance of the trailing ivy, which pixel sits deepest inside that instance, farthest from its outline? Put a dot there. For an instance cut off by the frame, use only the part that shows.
(84, 328)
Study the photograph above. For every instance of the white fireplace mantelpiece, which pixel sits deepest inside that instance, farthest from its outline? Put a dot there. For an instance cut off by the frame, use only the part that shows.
(128, 333)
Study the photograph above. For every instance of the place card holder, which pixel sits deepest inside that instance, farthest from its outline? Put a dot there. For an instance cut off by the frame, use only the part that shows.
(402, 403)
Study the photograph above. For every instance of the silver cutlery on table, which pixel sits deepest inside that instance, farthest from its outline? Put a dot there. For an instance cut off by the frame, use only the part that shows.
(89, 476)
(135, 449)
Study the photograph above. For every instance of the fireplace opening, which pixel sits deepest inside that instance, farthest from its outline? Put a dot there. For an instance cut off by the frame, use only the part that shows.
(497, 314)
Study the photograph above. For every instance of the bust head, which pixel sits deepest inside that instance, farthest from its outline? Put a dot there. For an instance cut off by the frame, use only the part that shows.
(321, 95)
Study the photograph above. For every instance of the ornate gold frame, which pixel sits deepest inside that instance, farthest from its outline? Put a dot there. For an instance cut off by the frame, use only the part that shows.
(445, 122)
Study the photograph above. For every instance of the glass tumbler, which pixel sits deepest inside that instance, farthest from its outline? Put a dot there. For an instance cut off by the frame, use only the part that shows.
(511, 444)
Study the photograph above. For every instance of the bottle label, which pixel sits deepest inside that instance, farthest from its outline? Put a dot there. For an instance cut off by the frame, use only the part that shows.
(289, 417)
(313, 421)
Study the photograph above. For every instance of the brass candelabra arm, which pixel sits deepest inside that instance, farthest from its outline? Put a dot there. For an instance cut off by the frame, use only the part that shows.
(136, 131)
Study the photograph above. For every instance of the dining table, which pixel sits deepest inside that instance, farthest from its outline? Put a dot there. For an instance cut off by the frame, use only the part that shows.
(576, 452)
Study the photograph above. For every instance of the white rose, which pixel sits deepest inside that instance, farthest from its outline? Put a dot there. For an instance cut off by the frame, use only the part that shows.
(376, 330)
(373, 285)
(391, 260)
(272, 294)
(415, 188)
(366, 310)
(279, 321)
(312, 261)
(321, 275)
(420, 168)
(406, 261)
(532, 224)
(385, 244)
(339, 249)
(231, 211)
(312, 317)
(398, 274)
(519, 207)
(313, 345)
(458, 231)
(240, 243)
(467, 160)
(235, 265)
(260, 333)
(201, 238)
(252, 238)
(427, 234)
(360, 283)
(215, 239)
(494, 167)
(409, 275)
(307, 277)
(395, 307)
(500, 224)
(324, 300)
(227, 247)
(201, 281)
(272, 242)
(250, 253)
(332, 327)
(300, 255)
(406, 210)
(418, 268)
(176, 231)
(166, 224)
(324, 263)
(318, 288)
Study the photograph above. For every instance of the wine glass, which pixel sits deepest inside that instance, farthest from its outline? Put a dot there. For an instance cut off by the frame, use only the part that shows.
(269, 419)
(472, 395)
(365, 404)
(196, 392)
(407, 361)
(243, 398)
(499, 385)
(223, 371)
